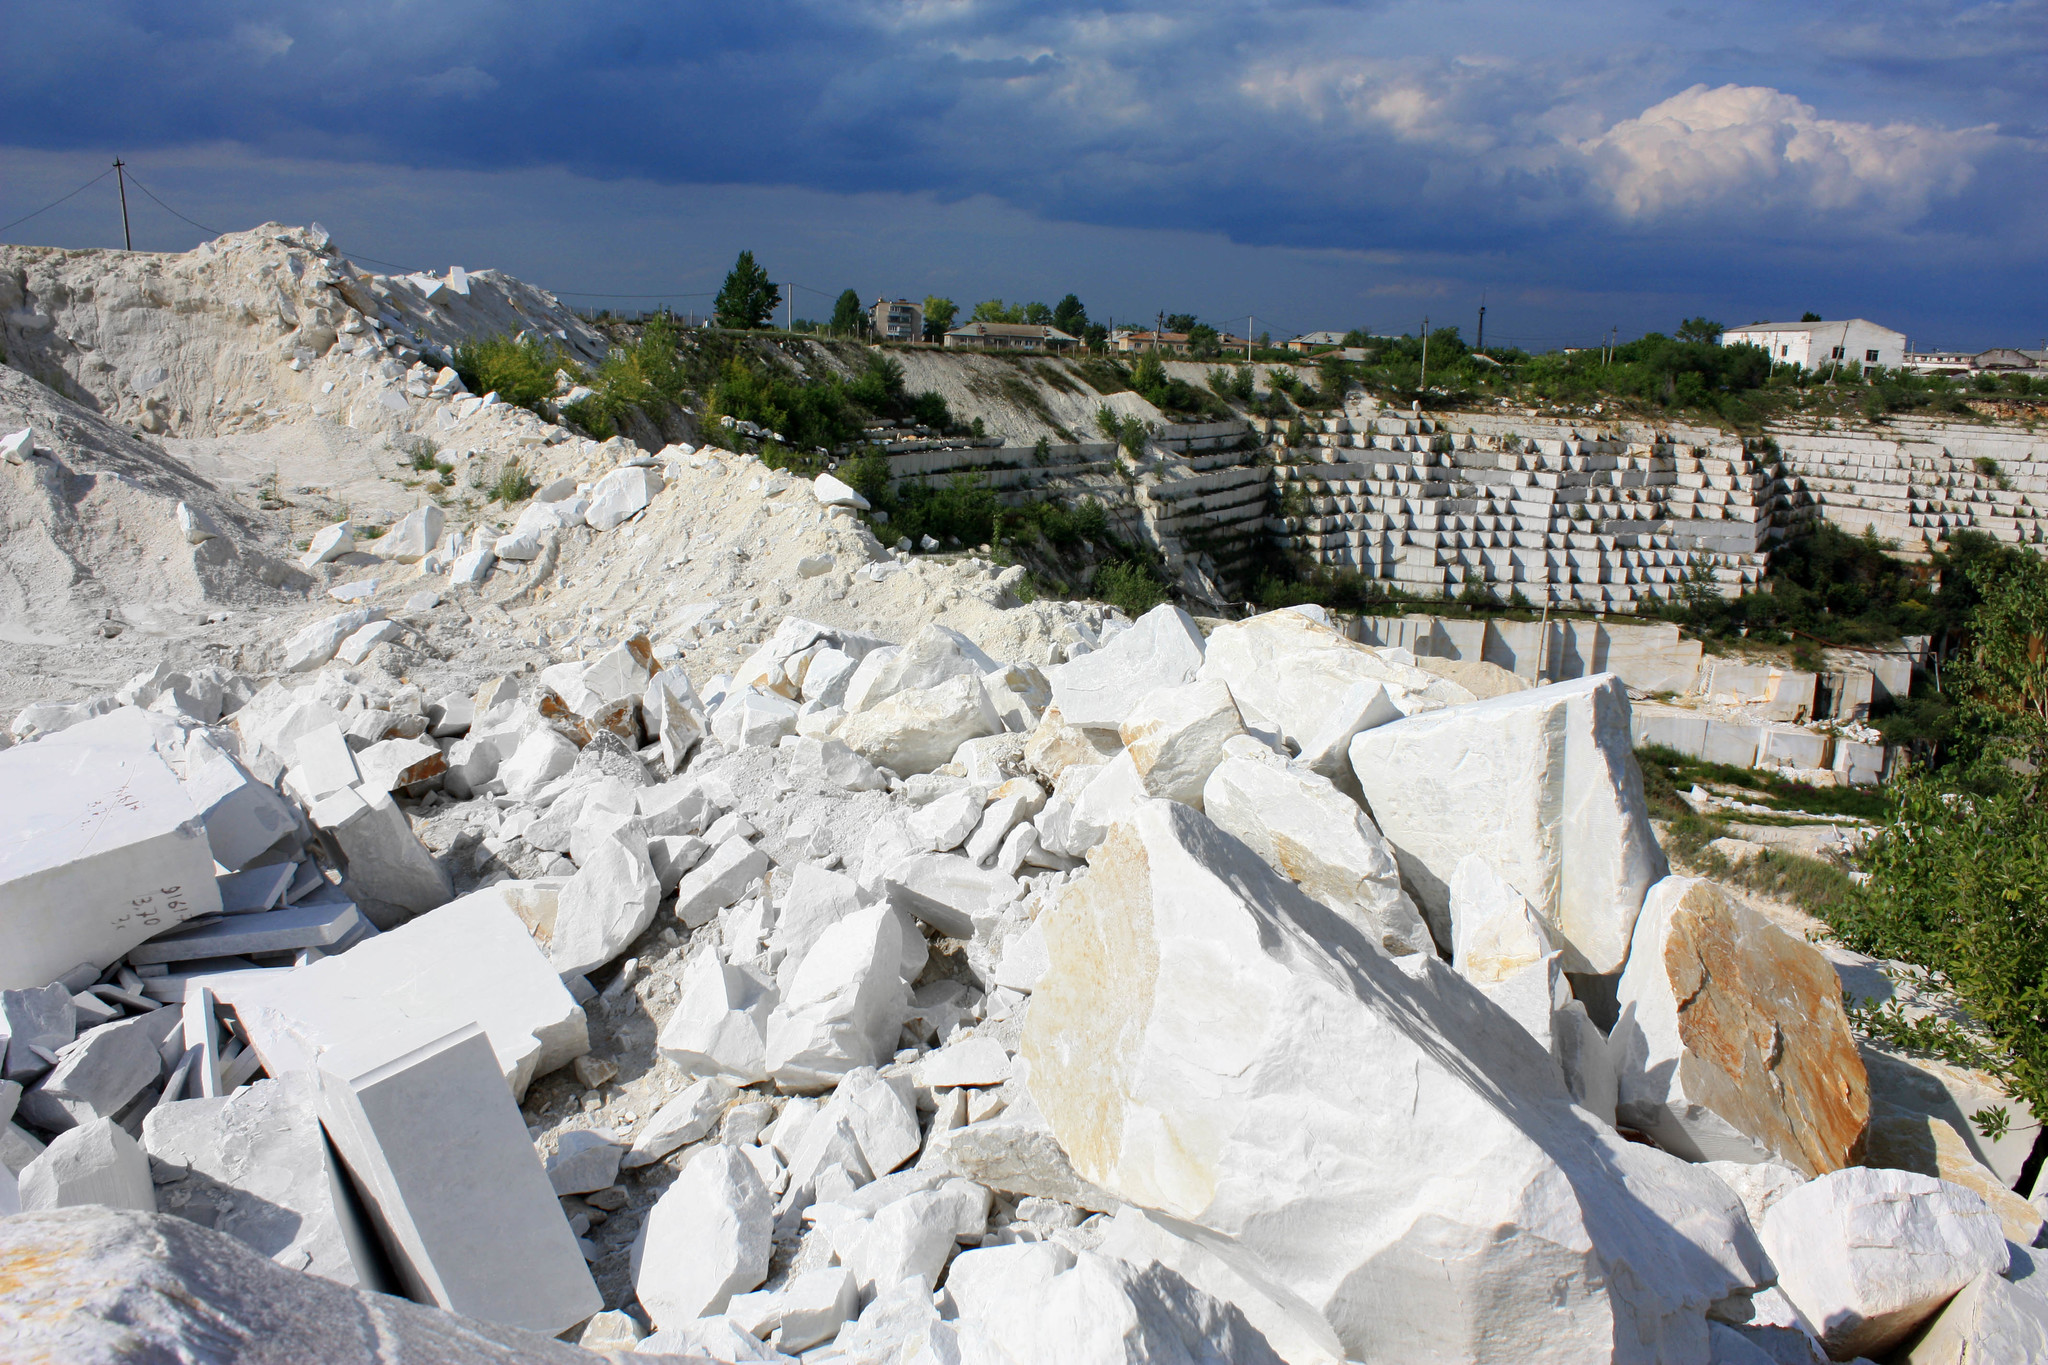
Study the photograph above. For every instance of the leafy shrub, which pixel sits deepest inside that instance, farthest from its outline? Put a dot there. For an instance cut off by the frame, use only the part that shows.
(591, 417)
(1956, 885)
(1133, 589)
(1058, 524)
(868, 475)
(964, 508)
(521, 370)
(420, 453)
(2003, 677)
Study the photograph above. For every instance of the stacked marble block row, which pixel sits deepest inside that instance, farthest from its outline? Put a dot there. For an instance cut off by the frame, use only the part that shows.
(1557, 516)
(1219, 509)
(1923, 480)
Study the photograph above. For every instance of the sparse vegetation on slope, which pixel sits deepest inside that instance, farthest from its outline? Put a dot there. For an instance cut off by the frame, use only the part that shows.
(520, 370)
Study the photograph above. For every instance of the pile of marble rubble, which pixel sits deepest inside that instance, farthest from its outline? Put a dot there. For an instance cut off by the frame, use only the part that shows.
(1248, 996)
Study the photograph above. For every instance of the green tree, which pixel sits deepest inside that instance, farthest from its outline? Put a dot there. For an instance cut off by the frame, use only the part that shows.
(1069, 316)
(1703, 330)
(938, 317)
(748, 298)
(1957, 880)
(1333, 377)
(847, 316)
(995, 310)
(1810, 316)
(1149, 378)
(1096, 335)
(1202, 339)
(2003, 676)
(1180, 322)
(1037, 314)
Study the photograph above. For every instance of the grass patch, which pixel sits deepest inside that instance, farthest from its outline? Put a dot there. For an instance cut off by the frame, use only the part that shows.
(1765, 788)
(513, 484)
(1820, 888)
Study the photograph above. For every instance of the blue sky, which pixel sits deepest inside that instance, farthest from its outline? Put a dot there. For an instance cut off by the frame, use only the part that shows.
(1313, 164)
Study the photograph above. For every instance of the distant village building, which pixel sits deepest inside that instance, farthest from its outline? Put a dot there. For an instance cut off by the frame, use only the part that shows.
(901, 320)
(1010, 336)
(1939, 362)
(1312, 341)
(1131, 341)
(2001, 359)
(2010, 358)
(1817, 345)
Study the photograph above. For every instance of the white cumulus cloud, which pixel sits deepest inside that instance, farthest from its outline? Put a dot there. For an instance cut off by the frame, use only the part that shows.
(1751, 152)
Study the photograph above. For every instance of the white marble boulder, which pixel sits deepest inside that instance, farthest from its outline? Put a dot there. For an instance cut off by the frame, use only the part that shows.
(1175, 737)
(1432, 1191)
(1500, 946)
(1307, 830)
(1039, 1301)
(1545, 785)
(707, 1238)
(1991, 1319)
(1314, 688)
(256, 1166)
(1868, 1255)
(917, 730)
(1163, 648)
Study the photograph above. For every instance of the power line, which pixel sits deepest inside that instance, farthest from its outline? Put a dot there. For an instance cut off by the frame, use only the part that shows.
(54, 202)
(586, 294)
(218, 232)
(358, 256)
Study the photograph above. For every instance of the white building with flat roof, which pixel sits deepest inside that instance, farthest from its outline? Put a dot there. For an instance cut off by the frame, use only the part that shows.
(1817, 345)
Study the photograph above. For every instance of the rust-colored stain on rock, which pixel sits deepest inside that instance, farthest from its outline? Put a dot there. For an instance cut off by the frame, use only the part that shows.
(1768, 1046)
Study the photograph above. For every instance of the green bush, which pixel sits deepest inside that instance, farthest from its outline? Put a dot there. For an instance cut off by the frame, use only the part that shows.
(1957, 885)
(1058, 524)
(1133, 589)
(868, 475)
(521, 371)
(964, 508)
(592, 417)
(2002, 678)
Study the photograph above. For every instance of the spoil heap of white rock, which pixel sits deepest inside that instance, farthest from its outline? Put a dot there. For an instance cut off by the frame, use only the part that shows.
(1196, 999)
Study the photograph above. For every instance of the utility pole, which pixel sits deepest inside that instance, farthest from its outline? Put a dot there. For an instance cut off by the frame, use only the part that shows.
(1480, 345)
(121, 179)
(789, 308)
(1159, 332)
(1424, 385)
(1249, 319)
